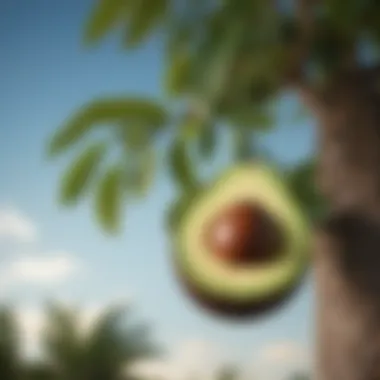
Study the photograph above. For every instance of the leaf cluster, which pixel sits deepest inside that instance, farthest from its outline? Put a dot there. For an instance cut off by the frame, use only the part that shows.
(74, 350)
(111, 170)
(225, 64)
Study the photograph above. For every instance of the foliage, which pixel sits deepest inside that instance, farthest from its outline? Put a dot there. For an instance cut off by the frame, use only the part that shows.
(100, 351)
(73, 351)
(300, 376)
(109, 345)
(116, 174)
(78, 177)
(228, 372)
(39, 370)
(10, 364)
(225, 64)
(181, 166)
(301, 182)
(130, 116)
(108, 199)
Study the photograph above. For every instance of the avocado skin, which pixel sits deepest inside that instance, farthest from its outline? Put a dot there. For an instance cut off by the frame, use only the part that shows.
(236, 311)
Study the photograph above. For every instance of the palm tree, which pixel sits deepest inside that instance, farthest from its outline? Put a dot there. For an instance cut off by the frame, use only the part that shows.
(110, 345)
(10, 358)
(39, 370)
(103, 351)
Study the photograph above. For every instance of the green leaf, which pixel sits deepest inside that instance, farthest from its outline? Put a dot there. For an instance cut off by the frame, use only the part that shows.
(102, 111)
(178, 73)
(139, 177)
(177, 210)
(147, 168)
(207, 140)
(180, 36)
(330, 45)
(109, 200)
(252, 117)
(350, 17)
(105, 16)
(193, 121)
(301, 182)
(220, 63)
(144, 19)
(180, 166)
(137, 136)
(79, 174)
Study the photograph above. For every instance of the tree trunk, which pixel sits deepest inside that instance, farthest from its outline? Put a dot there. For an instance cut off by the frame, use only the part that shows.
(348, 300)
(347, 251)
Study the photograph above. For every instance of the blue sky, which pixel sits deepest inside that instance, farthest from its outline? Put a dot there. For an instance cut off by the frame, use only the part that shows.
(44, 76)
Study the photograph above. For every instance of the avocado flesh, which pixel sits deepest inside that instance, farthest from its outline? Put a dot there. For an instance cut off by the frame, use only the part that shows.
(250, 283)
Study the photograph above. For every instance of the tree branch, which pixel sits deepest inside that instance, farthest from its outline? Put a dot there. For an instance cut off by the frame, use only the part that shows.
(305, 14)
(295, 76)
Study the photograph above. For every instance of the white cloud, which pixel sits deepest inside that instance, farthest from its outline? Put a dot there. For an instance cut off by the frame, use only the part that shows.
(284, 352)
(192, 359)
(41, 269)
(278, 360)
(44, 269)
(202, 359)
(16, 226)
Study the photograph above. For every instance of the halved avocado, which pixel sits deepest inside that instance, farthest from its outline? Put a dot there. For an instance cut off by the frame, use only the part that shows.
(242, 246)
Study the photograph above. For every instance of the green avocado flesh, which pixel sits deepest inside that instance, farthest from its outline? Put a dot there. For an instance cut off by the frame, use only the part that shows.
(251, 282)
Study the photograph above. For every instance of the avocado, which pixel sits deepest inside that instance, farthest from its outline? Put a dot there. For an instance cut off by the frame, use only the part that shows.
(242, 245)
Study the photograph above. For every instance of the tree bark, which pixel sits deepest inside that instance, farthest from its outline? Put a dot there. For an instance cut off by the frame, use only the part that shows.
(348, 303)
(347, 249)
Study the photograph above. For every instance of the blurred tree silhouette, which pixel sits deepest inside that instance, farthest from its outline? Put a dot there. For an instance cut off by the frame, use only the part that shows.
(10, 360)
(228, 372)
(299, 376)
(104, 350)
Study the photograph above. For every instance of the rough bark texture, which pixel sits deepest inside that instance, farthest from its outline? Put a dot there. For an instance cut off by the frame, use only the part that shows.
(347, 257)
(349, 157)
(347, 264)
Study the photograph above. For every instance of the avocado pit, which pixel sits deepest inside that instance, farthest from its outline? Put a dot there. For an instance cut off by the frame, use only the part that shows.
(243, 233)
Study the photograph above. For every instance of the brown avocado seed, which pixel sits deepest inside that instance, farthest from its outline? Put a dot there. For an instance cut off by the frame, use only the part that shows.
(243, 233)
